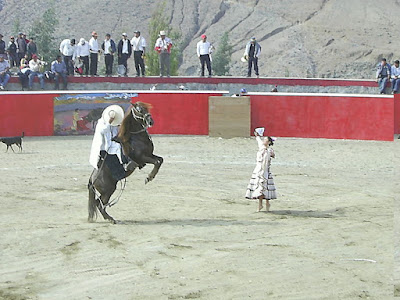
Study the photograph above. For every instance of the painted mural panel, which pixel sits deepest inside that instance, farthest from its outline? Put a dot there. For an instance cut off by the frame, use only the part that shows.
(77, 114)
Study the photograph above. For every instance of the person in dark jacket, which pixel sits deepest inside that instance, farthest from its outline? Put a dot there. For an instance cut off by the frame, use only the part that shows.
(12, 53)
(31, 48)
(2, 47)
(21, 43)
(124, 52)
(109, 49)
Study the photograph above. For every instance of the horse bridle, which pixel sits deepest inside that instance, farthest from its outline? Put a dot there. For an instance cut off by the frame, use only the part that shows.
(141, 118)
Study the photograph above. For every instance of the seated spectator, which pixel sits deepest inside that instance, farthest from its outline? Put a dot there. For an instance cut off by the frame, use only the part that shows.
(24, 63)
(383, 75)
(4, 72)
(243, 92)
(59, 69)
(35, 65)
(24, 72)
(395, 74)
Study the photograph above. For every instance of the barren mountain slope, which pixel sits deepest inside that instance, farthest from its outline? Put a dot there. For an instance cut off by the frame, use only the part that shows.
(313, 38)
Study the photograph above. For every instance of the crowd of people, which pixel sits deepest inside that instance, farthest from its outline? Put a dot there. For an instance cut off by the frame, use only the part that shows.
(82, 58)
(386, 73)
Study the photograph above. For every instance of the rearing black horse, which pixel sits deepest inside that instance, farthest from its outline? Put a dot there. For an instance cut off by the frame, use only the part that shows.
(137, 145)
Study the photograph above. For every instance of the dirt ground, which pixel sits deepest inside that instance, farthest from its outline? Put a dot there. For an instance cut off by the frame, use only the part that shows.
(190, 234)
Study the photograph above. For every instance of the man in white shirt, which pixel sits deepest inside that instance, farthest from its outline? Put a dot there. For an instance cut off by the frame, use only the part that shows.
(139, 52)
(204, 50)
(94, 52)
(109, 49)
(124, 52)
(395, 74)
(34, 66)
(68, 51)
(82, 53)
(163, 47)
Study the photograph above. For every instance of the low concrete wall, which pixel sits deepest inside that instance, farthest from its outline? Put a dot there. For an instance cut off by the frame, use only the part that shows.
(231, 84)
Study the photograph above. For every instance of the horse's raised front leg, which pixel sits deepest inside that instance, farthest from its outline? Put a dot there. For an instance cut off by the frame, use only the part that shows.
(157, 162)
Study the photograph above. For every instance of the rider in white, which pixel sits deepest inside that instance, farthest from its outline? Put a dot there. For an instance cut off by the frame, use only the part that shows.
(103, 146)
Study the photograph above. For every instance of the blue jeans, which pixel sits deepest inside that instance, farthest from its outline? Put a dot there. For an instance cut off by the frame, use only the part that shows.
(41, 79)
(382, 84)
(395, 85)
(4, 78)
(57, 80)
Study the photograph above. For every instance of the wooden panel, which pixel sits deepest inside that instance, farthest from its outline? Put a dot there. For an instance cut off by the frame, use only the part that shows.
(229, 116)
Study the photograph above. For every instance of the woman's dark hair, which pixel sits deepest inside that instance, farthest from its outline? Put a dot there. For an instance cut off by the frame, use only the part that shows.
(271, 141)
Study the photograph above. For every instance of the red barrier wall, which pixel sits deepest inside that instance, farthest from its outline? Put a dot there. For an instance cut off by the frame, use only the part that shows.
(397, 113)
(174, 113)
(32, 114)
(317, 116)
(178, 113)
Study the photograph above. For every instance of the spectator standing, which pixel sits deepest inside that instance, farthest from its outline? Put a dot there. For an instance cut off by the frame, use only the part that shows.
(59, 69)
(383, 75)
(4, 72)
(395, 74)
(83, 52)
(94, 53)
(124, 52)
(68, 50)
(12, 53)
(109, 49)
(21, 43)
(31, 48)
(204, 50)
(251, 53)
(163, 47)
(35, 66)
(2, 47)
(139, 53)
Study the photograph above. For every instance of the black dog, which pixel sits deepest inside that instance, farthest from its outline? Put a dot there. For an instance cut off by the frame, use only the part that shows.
(14, 140)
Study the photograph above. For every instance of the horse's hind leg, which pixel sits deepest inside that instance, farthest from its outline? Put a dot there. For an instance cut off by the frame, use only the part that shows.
(92, 203)
(157, 162)
(102, 208)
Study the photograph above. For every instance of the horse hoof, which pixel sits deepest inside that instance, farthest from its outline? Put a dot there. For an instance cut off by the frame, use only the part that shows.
(146, 181)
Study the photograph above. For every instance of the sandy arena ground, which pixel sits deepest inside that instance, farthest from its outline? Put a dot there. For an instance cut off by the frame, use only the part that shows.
(190, 234)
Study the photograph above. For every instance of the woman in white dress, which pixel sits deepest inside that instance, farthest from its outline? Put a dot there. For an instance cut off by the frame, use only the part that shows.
(261, 184)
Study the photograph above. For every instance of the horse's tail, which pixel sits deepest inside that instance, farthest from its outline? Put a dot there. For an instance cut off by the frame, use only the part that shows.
(92, 203)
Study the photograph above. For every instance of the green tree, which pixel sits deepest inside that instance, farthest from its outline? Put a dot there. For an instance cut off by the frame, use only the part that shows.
(157, 23)
(42, 30)
(17, 26)
(222, 57)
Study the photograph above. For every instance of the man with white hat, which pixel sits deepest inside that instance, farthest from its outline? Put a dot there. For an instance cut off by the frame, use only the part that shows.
(251, 53)
(106, 151)
(163, 47)
(94, 53)
(124, 52)
(204, 50)
(139, 52)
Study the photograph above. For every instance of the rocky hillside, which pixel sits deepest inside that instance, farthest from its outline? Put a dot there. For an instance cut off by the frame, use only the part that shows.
(308, 38)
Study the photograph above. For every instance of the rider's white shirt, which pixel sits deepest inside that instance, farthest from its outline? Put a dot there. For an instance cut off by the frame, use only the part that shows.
(102, 141)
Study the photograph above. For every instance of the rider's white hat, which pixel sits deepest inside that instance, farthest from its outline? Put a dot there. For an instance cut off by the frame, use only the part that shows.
(113, 111)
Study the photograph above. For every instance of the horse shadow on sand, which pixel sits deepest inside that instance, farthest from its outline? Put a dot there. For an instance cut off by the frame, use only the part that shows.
(197, 222)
